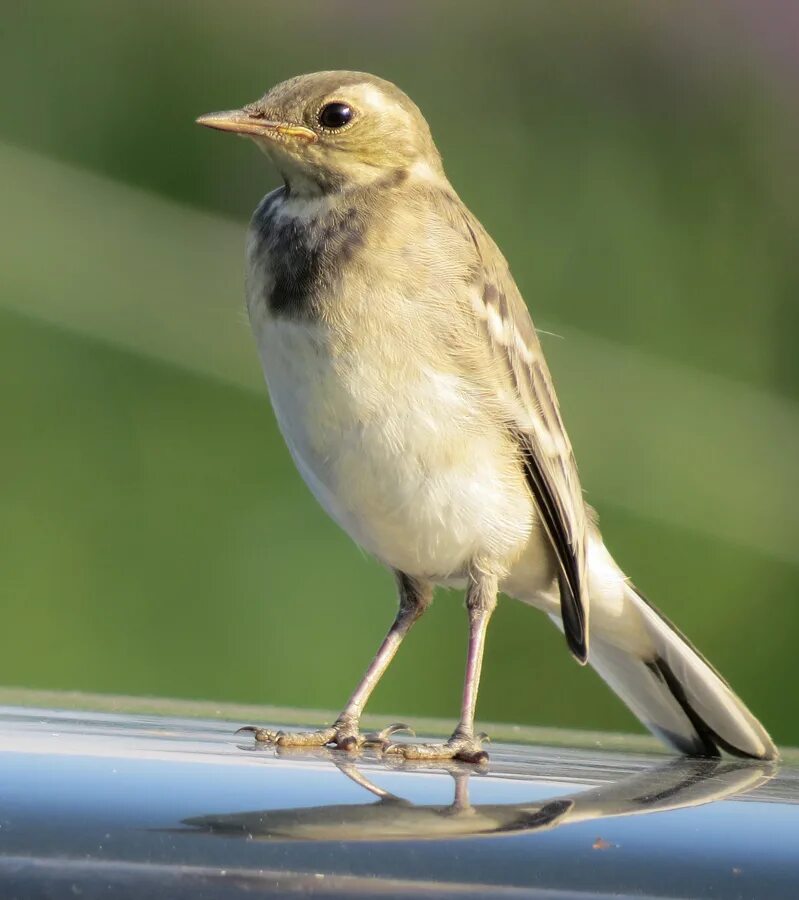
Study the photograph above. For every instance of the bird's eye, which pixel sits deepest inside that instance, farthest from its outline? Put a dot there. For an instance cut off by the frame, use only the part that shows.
(335, 115)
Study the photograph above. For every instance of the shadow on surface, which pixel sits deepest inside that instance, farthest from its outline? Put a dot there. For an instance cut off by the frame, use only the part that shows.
(677, 784)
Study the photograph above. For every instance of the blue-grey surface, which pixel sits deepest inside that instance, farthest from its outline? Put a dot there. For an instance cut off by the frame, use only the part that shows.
(117, 806)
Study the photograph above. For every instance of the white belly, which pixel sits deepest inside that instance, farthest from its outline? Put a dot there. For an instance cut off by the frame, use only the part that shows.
(399, 455)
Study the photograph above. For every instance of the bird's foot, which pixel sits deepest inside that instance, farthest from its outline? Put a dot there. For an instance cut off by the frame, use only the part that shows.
(343, 734)
(464, 747)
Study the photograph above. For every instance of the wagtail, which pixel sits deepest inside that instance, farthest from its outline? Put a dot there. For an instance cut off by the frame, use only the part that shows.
(411, 389)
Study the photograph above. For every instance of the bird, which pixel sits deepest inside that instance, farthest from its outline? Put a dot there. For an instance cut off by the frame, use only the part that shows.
(411, 389)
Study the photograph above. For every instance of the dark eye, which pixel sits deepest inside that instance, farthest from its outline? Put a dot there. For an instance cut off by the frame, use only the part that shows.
(335, 115)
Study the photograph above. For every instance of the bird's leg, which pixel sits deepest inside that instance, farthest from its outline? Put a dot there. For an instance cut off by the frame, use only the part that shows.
(464, 744)
(414, 598)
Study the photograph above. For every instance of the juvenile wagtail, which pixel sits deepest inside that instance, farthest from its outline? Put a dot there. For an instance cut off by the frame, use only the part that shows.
(411, 389)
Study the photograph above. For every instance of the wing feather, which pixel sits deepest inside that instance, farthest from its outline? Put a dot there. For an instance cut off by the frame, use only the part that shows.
(535, 422)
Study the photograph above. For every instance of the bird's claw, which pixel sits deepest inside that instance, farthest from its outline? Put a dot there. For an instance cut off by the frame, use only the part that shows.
(261, 735)
(464, 748)
(343, 735)
(379, 740)
(290, 738)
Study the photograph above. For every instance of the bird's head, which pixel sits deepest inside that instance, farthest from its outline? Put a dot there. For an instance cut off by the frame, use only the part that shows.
(331, 130)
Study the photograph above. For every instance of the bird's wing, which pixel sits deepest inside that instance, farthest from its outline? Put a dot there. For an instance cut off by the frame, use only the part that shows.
(534, 421)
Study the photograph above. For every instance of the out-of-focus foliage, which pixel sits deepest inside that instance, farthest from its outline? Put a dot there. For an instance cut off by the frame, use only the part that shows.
(636, 163)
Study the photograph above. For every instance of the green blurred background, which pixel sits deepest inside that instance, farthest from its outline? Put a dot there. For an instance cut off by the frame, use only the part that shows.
(636, 163)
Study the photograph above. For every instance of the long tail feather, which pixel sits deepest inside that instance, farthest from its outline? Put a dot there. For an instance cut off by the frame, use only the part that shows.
(661, 677)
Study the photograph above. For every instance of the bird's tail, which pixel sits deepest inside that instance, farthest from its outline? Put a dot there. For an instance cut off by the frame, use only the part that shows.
(664, 680)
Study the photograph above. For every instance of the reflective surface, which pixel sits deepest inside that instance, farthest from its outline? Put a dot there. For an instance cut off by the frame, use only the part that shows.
(110, 805)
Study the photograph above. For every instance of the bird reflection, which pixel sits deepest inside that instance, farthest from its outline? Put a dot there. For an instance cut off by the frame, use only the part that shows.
(677, 784)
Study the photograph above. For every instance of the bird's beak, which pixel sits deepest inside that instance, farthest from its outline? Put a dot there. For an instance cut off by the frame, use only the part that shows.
(241, 122)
